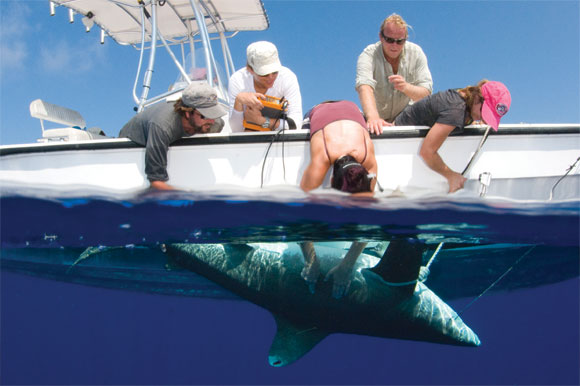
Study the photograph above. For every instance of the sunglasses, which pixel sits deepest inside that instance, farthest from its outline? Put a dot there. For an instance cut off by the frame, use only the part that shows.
(391, 40)
(201, 115)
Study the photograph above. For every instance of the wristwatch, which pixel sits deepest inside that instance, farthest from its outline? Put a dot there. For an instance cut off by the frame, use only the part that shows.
(266, 123)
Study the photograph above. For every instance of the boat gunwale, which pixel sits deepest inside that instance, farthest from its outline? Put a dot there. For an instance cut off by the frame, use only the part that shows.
(287, 136)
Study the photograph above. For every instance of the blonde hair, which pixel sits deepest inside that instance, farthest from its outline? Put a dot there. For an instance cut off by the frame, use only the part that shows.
(396, 20)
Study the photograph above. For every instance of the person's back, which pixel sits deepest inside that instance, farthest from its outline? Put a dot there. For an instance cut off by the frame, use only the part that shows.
(345, 137)
(446, 107)
(337, 130)
(161, 115)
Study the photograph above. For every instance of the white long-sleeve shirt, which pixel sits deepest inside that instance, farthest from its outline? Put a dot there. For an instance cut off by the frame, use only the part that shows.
(286, 85)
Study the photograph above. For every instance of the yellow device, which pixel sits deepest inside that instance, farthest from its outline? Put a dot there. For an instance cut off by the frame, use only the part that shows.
(274, 108)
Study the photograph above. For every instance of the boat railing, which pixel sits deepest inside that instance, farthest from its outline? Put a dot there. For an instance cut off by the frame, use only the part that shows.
(194, 19)
(211, 64)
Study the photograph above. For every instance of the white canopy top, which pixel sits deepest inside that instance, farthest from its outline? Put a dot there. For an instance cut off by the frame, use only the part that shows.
(121, 20)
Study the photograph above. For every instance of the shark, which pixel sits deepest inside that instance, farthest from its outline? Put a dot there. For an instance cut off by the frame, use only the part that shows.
(385, 300)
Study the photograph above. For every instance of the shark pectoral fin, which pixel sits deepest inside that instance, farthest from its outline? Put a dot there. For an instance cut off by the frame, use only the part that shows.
(89, 252)
(292, 341)
(237, 253)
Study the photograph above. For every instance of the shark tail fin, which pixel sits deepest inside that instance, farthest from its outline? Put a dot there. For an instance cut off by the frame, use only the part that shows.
(292, 341)
(401, 263)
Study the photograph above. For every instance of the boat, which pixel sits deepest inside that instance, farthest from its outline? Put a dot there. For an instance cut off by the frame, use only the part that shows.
(518, 162)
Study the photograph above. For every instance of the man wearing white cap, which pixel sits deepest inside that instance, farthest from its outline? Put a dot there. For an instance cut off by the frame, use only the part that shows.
(197, 111)
(263, 75)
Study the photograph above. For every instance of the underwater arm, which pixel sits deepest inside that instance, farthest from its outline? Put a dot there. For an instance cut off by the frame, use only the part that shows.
(311, 268)
(342, 273)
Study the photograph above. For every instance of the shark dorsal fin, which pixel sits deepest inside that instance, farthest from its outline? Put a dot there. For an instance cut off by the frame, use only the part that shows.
(292, 341)
(401, 263)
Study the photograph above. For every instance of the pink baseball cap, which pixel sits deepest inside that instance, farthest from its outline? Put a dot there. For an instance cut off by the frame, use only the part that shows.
(497, 101)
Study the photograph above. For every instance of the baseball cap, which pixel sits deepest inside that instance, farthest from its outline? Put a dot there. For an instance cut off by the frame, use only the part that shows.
(262, 56)
(203, 98)
(497, 101)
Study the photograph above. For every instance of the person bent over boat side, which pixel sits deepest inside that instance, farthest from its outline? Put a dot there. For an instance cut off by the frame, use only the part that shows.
(448, 110)
(263, 75)
(390, 74)
(197, 111)
(338, 137)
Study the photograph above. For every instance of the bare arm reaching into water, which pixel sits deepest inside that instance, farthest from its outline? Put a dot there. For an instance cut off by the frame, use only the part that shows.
(341, 274)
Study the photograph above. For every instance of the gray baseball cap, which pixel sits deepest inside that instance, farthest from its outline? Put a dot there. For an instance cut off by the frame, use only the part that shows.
(203, 98)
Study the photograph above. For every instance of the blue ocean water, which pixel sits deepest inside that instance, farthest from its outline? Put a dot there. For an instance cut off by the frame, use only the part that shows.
(55, 332)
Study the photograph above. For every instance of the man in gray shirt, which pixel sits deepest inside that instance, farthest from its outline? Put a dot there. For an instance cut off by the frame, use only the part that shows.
(197, 111)
(390, 74)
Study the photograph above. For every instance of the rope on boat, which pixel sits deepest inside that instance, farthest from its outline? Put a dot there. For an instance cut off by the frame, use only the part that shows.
(424, 272)
(561, 178)
(495, 282)
(278, 134)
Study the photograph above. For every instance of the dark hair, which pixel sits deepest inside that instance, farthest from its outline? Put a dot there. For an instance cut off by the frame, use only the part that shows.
(350, 176)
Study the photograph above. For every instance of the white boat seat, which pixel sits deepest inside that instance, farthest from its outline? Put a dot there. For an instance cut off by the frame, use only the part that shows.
(75, 129)
(54, 113)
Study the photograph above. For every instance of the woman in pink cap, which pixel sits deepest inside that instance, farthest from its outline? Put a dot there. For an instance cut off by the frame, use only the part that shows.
(451, 110)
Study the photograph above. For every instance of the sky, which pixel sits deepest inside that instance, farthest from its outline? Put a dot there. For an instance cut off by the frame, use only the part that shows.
(531, 46)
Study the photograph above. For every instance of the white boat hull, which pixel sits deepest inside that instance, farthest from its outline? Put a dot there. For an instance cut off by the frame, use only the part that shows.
(524, 162)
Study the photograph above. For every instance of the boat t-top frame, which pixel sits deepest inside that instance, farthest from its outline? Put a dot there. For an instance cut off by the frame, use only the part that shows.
(151, 24)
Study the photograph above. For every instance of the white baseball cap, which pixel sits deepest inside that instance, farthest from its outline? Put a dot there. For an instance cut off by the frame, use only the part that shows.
(263, 58)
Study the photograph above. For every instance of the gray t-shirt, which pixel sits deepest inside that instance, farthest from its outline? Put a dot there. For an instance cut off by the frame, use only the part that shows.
(156, 128)
(446, 107)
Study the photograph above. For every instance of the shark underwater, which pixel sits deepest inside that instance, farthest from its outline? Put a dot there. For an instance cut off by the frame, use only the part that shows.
(399, 306)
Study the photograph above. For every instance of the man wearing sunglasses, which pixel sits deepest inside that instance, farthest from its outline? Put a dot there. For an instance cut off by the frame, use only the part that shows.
(390, 74)
(197, 111)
